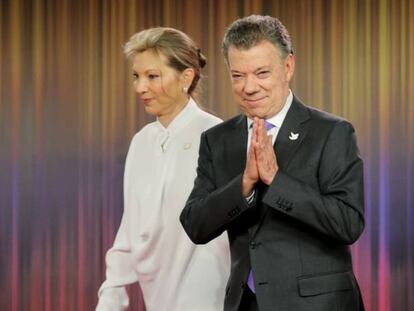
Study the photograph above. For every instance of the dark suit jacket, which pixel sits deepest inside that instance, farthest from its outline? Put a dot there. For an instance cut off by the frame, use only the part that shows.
(296, 236)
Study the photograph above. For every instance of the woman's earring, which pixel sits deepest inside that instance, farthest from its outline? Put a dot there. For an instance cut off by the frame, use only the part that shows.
(185, 89)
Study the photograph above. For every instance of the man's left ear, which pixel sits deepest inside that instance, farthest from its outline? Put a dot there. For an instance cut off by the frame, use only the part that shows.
(290, 66)
(187, 77)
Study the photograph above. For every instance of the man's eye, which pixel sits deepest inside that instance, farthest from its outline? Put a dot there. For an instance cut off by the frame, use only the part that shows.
(236, 76)
(263, 74)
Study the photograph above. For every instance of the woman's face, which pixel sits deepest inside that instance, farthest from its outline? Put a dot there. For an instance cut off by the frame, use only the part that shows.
(159, 86)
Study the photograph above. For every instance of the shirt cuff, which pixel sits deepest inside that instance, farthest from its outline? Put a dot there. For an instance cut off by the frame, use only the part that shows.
(250, 198)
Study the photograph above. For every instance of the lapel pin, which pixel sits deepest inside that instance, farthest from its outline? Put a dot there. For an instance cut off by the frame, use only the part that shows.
(187, 146)
(293, 136)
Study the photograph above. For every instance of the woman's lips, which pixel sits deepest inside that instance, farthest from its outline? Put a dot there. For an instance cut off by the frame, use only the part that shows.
(146, 101)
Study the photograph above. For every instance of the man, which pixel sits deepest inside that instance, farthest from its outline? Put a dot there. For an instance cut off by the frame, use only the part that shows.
(285, 181)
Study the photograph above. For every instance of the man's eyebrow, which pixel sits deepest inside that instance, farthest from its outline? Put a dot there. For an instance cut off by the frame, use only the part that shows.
(235, 71)
(262, 68)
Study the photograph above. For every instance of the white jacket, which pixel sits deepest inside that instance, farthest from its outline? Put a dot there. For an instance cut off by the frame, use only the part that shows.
(151, 247)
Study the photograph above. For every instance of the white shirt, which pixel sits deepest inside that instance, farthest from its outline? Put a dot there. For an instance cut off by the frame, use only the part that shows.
(151, 246)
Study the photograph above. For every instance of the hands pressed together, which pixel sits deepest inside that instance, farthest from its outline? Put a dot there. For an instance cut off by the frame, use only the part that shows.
(261, 163)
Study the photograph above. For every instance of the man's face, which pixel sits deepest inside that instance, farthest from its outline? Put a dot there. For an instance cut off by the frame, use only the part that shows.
(260, 79)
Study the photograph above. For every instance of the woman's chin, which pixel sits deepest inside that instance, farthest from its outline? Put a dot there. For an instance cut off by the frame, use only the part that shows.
(151, 111)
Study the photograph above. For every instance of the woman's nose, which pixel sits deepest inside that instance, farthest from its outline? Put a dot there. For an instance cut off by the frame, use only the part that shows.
(140, 86)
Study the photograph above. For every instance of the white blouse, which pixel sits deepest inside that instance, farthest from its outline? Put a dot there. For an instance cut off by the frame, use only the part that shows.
(151, 246)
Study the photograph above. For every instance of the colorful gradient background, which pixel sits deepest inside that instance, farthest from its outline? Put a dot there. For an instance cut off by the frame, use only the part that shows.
(68, 112)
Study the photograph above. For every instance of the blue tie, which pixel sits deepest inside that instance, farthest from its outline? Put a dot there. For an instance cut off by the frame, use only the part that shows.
(268, 125)
(250, 281)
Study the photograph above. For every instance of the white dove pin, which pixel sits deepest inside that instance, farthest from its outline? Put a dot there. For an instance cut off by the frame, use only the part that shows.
(293, 136)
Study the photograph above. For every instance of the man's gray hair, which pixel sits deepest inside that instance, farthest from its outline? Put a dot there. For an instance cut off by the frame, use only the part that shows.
(249, 31)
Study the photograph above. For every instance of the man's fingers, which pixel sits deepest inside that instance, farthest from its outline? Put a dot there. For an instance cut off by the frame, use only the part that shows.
(251, 170)
(255, 130)
(269, 141)
(250, 154)
(264, 154)
(261, 132)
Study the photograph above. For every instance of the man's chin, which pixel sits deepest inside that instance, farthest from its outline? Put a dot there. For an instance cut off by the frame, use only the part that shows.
(255, 114)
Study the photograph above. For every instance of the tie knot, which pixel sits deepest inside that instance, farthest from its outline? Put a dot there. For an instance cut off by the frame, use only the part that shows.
(268, 125)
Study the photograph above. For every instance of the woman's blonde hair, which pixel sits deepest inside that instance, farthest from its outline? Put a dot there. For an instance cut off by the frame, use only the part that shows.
(179, 49)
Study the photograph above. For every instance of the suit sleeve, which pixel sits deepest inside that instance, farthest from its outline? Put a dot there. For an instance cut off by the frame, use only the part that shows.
(337, 208)
(210, 209)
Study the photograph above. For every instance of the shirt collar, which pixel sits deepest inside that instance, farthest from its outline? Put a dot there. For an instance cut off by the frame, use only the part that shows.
(181, 119)
(278, 118)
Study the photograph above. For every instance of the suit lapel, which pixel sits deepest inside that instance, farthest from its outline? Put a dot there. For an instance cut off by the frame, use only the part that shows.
(236, 147)
(291, 134)
(288, 140)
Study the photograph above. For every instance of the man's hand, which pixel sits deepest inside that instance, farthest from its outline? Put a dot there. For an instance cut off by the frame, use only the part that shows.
(265, 157)
(251, 174)
(261, 163)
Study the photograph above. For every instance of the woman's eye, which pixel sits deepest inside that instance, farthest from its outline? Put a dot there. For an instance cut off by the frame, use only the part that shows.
(152, 76)
(135, 76)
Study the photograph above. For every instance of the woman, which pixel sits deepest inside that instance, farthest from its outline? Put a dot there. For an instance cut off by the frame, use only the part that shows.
(151, 247)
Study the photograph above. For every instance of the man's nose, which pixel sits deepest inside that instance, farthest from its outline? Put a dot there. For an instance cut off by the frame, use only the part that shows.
(250, 85)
